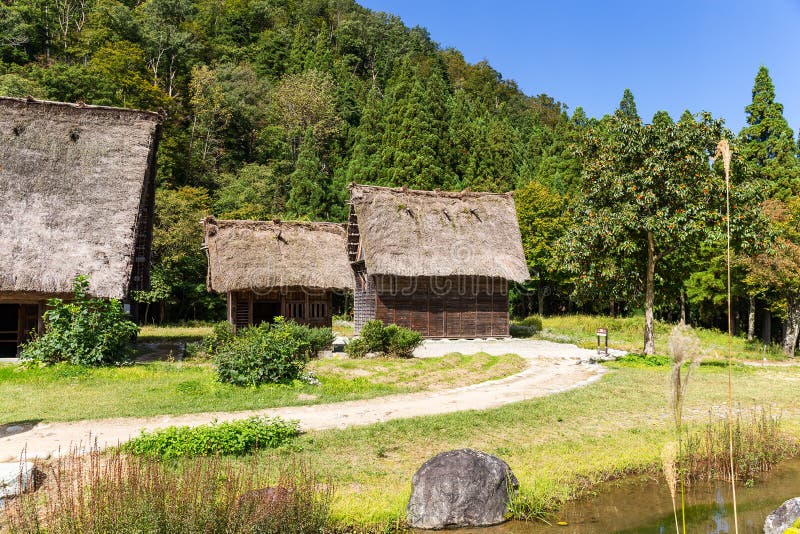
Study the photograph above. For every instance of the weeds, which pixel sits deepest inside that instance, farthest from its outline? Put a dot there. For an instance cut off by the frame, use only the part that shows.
(99, 493)
(229, 437)
(758, 446)
(684, 348)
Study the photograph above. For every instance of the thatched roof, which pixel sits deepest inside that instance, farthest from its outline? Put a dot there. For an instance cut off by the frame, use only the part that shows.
(431, 233)
(263, 255)
(71, 182)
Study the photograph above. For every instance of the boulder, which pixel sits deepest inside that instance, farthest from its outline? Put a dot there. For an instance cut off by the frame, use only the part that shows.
(16, 478)
(782, 517)
(461, 488)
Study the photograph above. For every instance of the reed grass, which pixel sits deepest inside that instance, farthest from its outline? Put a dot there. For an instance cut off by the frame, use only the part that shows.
(669, 465)
(759, 444)
(102, 493)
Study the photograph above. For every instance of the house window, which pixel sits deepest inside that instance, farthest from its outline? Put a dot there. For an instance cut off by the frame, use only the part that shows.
(317, 310)
(295, 310)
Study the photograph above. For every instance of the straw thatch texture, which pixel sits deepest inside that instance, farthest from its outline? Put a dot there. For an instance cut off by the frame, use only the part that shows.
(259, 255)
(73, 180)
(426, 233)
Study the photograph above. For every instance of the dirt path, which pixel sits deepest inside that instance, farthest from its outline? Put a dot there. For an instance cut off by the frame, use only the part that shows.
(553, 368)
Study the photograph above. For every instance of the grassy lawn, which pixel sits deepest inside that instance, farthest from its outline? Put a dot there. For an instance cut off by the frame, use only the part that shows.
(557, 446)
(173, 333)
(65, 393)
(627, 333)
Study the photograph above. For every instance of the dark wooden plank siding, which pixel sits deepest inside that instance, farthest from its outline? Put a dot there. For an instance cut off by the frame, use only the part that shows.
(443, 307)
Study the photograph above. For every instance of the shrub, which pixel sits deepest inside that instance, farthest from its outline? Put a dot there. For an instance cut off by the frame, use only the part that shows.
(391, 340)
(527, 327)
(357, 348)
(402, 341)
(268, 353)
(317, 339)
(374, 335)
(534, 322)
(85, 331)
(263, 354)
(100, 493)
(220, 335)
(233, 437)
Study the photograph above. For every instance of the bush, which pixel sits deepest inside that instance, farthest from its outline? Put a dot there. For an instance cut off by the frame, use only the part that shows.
(269, 353)
(374, 335)
(357, 348)
(234, 437)
(100, 493)
(534, 322)
(263, 354)
(317, 339)
(85, 331)
(401, 341)
(391, 340)
(220, 335)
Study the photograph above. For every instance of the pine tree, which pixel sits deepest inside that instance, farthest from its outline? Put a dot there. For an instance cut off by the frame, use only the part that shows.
(301, 48)
(415, 147)
(767, 142)
(307, 198)
(365, 165)
(321, 57)
(627, 106)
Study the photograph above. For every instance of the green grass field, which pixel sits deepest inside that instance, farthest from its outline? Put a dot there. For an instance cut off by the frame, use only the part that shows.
(627, 333)
(558, 446)
(66, 393)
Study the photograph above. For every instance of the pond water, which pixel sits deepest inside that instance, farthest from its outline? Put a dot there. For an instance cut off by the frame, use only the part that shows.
(642, 505)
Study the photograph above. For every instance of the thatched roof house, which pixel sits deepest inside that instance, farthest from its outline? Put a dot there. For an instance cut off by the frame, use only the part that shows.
(271, 268)
(431, 259)
(76, 196)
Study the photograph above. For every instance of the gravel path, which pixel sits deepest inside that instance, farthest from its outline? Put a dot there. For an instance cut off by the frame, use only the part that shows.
(553, 368)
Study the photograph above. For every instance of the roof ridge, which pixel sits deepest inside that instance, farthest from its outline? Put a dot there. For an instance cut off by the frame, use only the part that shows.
(434, 193)
(79, 106)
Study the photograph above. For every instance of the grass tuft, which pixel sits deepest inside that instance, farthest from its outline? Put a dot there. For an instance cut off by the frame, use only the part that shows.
(100, 493)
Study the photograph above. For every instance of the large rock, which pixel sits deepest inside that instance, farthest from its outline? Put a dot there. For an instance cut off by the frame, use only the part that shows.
(461, 488)
(783, 517)
(15, 478)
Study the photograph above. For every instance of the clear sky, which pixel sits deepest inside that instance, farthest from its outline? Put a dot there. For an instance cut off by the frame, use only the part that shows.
(673, 54)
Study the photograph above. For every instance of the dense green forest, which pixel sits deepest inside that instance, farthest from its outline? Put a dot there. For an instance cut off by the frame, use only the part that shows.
(273, 106)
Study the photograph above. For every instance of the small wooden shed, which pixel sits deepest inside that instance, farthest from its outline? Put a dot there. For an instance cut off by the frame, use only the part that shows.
(437, 262)
(76, 197)
(277, 268)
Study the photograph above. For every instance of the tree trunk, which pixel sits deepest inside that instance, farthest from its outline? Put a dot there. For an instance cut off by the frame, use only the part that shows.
(751, 319)
(649, 297)
(612, 308)
(791, 329)
(540, 295)
(683, 307)
(766, 328)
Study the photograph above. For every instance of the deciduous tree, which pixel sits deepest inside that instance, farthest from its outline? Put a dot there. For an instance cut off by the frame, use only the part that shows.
(647, 192)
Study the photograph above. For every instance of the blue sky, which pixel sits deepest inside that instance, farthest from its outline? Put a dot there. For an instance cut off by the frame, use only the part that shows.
(673, 55)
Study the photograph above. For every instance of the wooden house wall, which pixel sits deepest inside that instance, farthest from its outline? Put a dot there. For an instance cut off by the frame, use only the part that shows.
(453, 307)
(312, 308)
(363, 298)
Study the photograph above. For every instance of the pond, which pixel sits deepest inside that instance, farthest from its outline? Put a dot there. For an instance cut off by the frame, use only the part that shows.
(642, 505)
